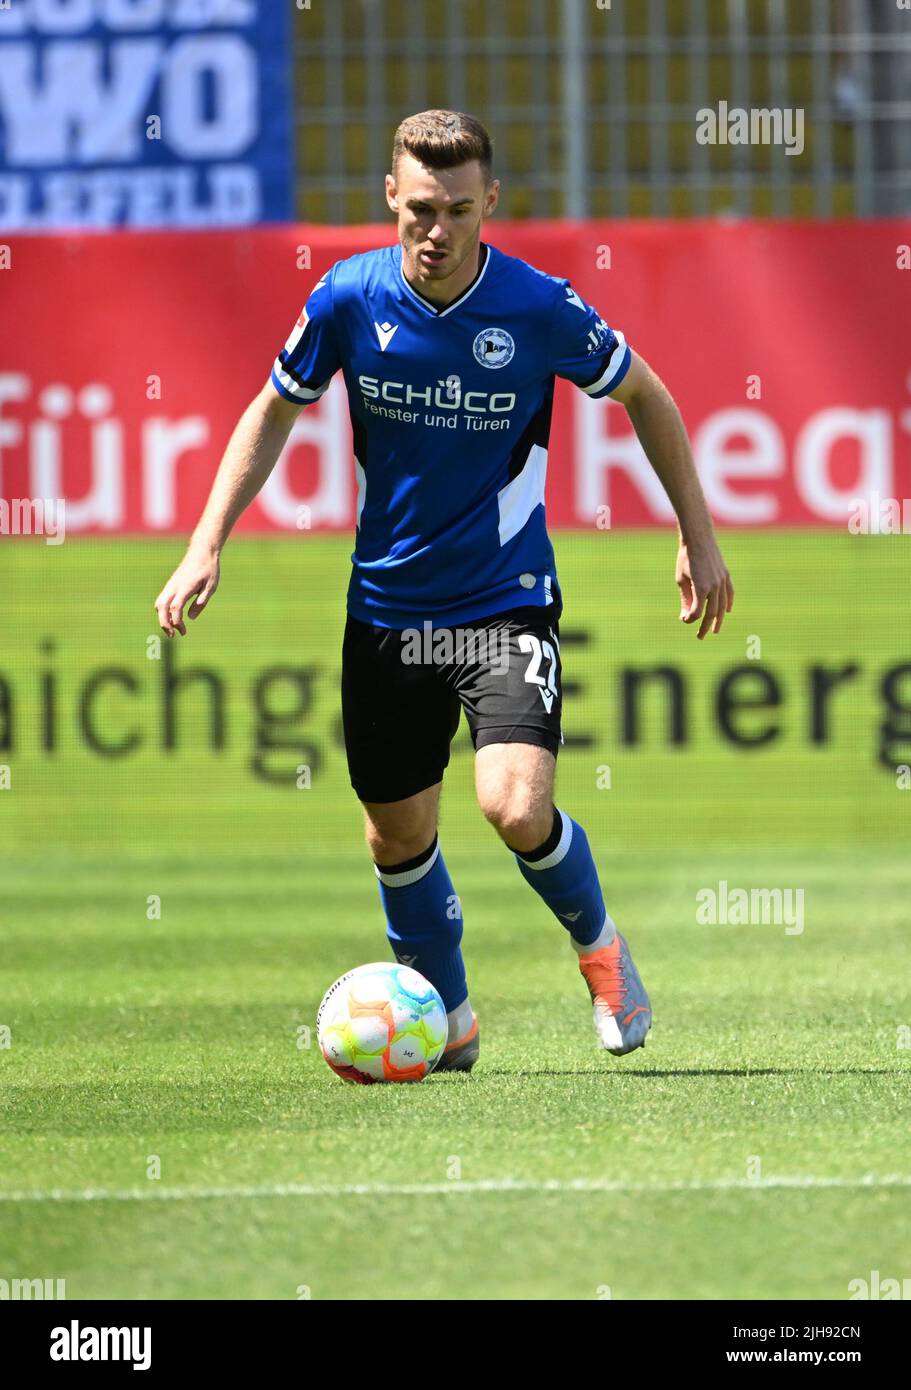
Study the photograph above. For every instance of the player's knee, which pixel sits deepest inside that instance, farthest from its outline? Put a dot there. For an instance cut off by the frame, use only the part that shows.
(519, 820)
(501, 806)
(397, 847)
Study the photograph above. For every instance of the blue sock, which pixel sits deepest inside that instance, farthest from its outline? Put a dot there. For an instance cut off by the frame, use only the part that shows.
(563, 871)
(424, 921)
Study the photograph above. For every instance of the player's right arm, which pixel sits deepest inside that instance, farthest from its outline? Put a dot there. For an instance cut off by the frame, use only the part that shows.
(253, 449)
(301, 373)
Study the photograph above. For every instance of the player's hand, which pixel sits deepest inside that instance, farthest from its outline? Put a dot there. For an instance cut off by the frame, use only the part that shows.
(705, 586)
(196, 578)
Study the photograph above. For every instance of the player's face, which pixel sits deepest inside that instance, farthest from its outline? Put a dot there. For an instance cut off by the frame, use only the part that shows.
(439, 216)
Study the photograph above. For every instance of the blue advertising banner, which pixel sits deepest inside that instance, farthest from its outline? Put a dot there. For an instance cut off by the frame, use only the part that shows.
(144, 113)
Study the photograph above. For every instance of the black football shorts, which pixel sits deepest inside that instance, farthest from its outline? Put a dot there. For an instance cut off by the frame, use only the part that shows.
(403, 693)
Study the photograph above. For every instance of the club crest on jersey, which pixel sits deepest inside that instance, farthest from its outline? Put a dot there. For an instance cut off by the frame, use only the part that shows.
(494, 347)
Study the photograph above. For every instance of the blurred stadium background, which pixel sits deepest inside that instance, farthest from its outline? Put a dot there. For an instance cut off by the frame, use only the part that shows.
(177, 894)
(593, 105)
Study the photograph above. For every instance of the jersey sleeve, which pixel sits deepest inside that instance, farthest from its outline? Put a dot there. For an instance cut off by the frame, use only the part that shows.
(583, 349)
(310, 358)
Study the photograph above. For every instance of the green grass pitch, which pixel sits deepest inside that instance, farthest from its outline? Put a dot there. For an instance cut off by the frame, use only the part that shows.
(172, 912)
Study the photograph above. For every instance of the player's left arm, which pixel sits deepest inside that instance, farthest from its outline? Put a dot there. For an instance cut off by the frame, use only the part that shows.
(596, 358)
(705, 585)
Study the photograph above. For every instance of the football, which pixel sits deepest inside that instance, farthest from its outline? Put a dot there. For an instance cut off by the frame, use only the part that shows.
(382, 1022)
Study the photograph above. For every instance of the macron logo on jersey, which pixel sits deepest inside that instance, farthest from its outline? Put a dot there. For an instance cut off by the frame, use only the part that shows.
(385, 331)
(573, 299)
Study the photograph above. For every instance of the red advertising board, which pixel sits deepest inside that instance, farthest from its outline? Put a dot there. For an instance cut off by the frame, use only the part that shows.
(126, 358)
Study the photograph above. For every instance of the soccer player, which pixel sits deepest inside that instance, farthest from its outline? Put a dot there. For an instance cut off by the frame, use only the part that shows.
(449, 350)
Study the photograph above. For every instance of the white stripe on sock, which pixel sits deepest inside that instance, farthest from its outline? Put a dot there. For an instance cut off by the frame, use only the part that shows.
(460, 1020)
(604, 938)
(562, 847)
(406, 876)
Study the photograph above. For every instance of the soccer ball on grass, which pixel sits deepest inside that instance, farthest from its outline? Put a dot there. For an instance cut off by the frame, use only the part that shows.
(382, 1022)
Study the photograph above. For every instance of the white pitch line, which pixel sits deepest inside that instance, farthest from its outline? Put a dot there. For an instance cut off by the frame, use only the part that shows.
(484, 1185)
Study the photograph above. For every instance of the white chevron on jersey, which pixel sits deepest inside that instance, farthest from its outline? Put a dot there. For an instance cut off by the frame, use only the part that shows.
(384, 332)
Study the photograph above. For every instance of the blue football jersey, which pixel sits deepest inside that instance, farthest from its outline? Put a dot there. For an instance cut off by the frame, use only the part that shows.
(450, 410)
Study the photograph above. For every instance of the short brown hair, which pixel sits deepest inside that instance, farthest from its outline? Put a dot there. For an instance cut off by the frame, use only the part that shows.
(443, 139)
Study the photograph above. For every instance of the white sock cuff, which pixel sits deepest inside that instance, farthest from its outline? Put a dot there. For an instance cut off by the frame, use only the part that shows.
(604, 938)
(562, 846)
(460, 1020)
(406, 876)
